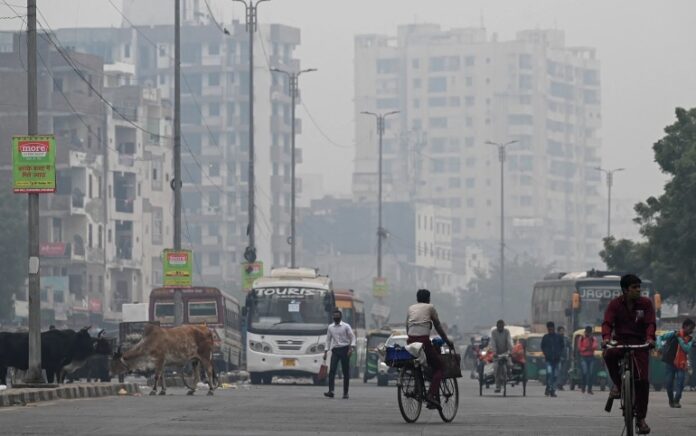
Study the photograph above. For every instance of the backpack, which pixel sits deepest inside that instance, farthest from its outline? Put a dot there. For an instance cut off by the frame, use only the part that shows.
(669, 349)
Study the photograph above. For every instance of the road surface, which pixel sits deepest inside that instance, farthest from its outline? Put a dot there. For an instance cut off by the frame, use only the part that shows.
(302, 410)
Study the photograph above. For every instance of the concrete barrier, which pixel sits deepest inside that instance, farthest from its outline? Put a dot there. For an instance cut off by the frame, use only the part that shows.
(20, 397)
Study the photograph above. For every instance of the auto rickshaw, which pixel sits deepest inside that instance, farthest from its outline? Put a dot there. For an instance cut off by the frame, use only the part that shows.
(375, 338)
(601, 376)
(657, 366)
(535, 364)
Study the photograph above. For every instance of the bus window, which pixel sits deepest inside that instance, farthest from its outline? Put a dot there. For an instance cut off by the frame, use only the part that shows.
(164, 312)
(202, 311)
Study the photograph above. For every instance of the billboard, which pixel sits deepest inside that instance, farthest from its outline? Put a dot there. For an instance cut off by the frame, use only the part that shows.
(177, 266)
(380, 288)
(34, 164)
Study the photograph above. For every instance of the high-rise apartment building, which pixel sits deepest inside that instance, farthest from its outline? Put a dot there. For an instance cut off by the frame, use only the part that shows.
(215, 131)
(457, 89)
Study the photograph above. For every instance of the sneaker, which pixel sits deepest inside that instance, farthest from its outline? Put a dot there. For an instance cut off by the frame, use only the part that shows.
(546, 392)
(329, 394)
(433, 403)
(677, 405)
(553, 395)
(671, 404)
(615, 393)
(345, 396)
(560, 388)
(583, 390)
(590, 392)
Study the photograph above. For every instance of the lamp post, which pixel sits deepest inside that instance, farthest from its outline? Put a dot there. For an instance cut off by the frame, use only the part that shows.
(251, 26)
(502, 151)
(610, 183)
(293, 81)
(380, 231)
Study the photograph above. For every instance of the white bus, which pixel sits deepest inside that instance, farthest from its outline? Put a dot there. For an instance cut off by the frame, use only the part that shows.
(287, 315)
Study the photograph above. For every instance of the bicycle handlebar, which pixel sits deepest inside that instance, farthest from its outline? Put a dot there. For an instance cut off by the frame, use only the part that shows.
(616, 346)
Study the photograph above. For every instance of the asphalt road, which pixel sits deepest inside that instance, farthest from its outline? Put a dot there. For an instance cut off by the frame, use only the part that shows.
(302, 410)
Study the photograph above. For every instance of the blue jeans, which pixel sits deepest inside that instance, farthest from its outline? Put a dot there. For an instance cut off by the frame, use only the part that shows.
(674, 383)
(551, 376)
(587, 366)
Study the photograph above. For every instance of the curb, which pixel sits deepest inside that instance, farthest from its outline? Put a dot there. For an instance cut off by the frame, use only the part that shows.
(176, 382)
(20, 397)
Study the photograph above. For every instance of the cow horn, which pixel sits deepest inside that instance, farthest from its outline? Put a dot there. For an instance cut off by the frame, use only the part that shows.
(101, 333)
(86, 328)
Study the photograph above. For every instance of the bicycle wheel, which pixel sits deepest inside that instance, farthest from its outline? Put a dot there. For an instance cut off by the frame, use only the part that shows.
(627, 401)
(409, 395)
(449, 399)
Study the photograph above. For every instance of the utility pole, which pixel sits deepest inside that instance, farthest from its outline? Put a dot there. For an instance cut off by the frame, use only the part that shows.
(380, 231)
(178, 301)
(293, 78)
(610, 184)
(251, 26)
(33, 374)
(502, 151)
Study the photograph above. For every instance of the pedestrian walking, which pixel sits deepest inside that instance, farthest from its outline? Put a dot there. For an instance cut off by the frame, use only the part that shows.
(340, 340)
(587, 346)
(564, 365)
(675, 354)
(552, 346)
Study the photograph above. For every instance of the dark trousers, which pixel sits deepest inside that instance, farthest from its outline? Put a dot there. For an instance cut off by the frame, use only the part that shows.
(674, 382)
(642, 384)
(340, 354)
(433, 361)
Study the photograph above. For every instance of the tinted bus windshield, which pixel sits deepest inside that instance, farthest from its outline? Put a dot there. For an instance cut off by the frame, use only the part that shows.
(594, 299)
(288, 309)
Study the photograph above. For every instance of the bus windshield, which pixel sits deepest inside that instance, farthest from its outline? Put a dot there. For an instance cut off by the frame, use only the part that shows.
(282, 309)
(594, 301)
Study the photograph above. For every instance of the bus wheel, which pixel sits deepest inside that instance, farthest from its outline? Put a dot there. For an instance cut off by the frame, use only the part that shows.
(255, 378)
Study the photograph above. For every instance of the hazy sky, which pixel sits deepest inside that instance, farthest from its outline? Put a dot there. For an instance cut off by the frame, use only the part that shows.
(646, 49)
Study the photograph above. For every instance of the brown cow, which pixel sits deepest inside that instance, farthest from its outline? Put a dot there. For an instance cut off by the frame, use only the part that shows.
(160, 347)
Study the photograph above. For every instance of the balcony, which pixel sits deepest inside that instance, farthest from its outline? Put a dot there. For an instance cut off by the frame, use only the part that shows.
(126, 160)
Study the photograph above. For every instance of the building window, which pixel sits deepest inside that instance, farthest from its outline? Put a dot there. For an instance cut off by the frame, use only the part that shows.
(214, 109)
(214, 170)
(126, 51)
(89, 236)
(437, 84)
(417, 83)
(214, 259)
(100, 235)
(214, 79)
(387, 66)
(438, 122)
(214, 49)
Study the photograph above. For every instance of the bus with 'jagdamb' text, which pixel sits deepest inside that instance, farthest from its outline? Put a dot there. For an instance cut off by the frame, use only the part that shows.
(577, 300)
(287, 315)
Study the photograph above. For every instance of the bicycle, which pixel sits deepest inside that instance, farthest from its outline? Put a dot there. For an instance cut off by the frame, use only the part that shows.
(627, 370)
(412, 389)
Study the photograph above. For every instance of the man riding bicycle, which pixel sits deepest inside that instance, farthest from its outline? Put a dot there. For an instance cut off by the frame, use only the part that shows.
(501, 343)
(630, 320)
(421, 318)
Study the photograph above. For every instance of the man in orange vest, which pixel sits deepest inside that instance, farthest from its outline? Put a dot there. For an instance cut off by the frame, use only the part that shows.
(587, 346)
(675, 354)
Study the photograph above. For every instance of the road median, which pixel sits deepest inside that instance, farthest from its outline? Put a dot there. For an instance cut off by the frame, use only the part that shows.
(21, 397)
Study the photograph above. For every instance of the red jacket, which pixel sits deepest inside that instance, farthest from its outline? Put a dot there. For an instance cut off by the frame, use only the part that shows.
(587, 346)
(631, 327)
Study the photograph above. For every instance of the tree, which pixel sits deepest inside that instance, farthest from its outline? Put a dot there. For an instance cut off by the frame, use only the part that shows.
(13, 247)
(482, 304)
(668, 256)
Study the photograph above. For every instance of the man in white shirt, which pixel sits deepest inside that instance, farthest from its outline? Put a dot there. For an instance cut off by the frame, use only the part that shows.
(340, 340)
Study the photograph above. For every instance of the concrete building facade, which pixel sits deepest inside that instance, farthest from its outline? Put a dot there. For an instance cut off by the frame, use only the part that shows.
(457, 89)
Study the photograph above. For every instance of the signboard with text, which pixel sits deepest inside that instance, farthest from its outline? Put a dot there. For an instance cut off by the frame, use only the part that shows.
(380, 288)
(251, 272)
(177, 268)
(34, 164)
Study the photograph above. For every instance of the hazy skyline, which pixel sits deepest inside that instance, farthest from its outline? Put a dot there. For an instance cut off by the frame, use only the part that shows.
(646, 50)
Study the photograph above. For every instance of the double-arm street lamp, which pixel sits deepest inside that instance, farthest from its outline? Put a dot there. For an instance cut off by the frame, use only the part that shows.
(610, 183)
(293, 77)
(502, 151)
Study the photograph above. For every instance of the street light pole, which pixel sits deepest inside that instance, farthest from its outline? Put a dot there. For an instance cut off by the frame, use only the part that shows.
(251, 26)
(293, 78)
(610, 184)
(33, 374)
(380, 231)
(502, 151)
